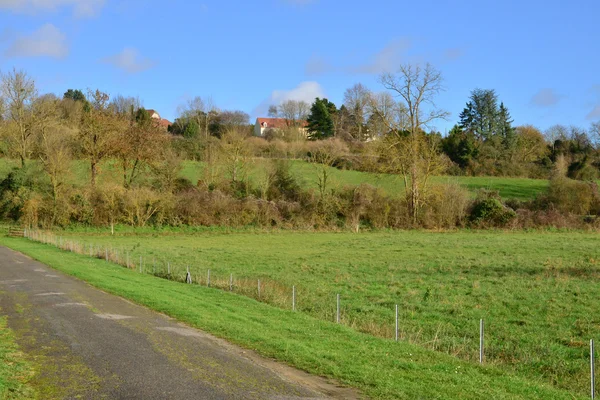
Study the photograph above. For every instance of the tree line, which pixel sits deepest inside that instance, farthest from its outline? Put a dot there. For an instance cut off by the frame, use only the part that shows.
(388, 132)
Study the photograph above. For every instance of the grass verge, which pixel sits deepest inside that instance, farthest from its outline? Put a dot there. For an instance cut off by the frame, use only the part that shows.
(380, 368)
(15, 371)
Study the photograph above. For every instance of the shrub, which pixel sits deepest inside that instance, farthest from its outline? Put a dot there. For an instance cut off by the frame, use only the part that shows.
(571, 196)
(488, 210)
(445, 206)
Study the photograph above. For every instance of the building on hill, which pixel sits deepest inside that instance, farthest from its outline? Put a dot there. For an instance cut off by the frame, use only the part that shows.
(263, 125)
(163, 123)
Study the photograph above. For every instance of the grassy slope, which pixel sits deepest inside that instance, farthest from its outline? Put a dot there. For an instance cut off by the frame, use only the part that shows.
(519, 188)
(14, 370)
(381, 368)
(535, 290)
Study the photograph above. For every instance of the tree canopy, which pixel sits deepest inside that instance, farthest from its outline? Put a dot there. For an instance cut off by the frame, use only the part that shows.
(320, 119)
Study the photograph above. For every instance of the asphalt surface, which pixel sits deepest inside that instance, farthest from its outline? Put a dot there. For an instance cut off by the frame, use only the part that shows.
(88, 344)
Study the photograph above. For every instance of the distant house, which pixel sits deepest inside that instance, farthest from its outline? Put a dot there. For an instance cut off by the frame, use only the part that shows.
(263, 125)
(163, 123)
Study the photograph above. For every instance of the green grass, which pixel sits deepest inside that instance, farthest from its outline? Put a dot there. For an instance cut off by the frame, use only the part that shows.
(306, 173)
(14, 370)
(537, 291)
(379, 367)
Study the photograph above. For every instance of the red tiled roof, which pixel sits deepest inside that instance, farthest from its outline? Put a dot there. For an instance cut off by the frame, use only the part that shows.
(151, 112)
(164, 123)
(277, 123)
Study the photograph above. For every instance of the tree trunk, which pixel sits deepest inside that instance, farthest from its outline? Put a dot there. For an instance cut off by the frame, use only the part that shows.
(94, 173)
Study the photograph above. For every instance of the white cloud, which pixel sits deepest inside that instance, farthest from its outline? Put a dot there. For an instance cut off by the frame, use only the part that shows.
(130, 60)
(545, 98)
(81, 8)
(48, 41)
(305, 91)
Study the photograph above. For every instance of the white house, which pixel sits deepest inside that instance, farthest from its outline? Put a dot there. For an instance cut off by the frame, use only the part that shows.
(262, 125)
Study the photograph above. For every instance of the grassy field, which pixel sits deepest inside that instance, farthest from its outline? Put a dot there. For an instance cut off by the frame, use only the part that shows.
(381, 368)
(14, 370)
(306, 173)
(536, 291)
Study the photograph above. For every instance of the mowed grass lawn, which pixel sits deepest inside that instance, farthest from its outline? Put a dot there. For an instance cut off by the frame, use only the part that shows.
(307, 175)
(536, 291)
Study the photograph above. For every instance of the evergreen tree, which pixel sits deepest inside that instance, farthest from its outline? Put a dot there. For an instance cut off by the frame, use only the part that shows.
(320, 120)
(191, 130)
(505, 129)
(490, 124)
(142, 117)
(460, 146)
(481, 114)
(75, 95)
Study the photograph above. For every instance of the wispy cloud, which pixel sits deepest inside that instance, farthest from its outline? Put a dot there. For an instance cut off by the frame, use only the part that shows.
(595, 113)
(47, 41)
(81, 8)
(305, 91)
(453, 54)
(546, 98)
(317, 65)
(130, 60)
(387, 59)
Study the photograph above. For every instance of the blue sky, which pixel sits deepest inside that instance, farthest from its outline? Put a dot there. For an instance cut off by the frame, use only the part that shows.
(541, 57)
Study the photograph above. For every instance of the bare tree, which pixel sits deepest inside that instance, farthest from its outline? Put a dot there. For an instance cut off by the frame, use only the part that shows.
(52, 146)
(417, 88)
(202, 111)
(293, 111)
(556, 132)
(386, 115)
(140, 146)
(232, 118)
(167, 169)
(19, 92)
(323, 155)
(235, 155)
(98, 136)
(356, 100)
(273, 111)
(125, 106)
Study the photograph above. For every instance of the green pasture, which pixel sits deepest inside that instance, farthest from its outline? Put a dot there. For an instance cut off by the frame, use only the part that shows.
(372, 273)
(536, 291)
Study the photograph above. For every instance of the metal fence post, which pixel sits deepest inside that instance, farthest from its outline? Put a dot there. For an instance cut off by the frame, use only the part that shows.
(337, 316)
(396, 322)
(592, 369)
(481, 343)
